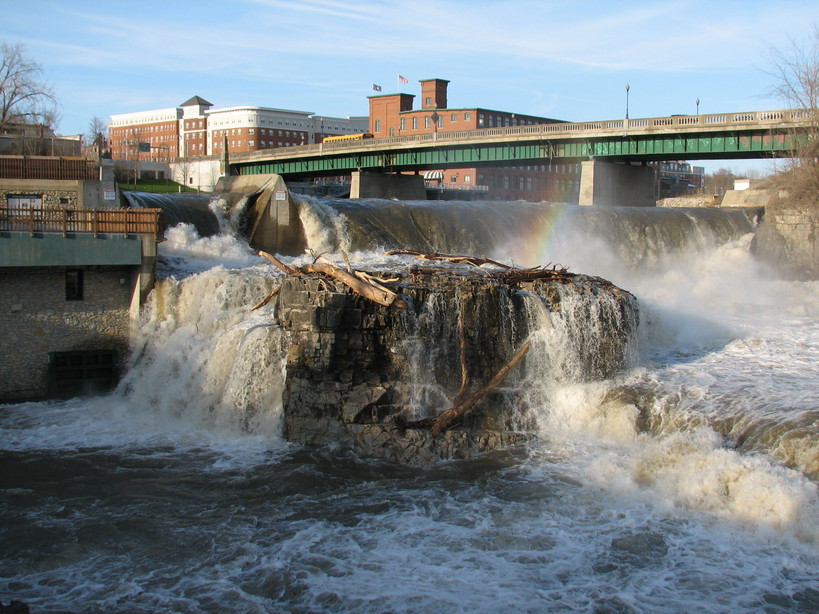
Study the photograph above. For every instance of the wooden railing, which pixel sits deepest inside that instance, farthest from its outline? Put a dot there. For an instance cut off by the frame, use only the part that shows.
(46, 167)
(70, 221)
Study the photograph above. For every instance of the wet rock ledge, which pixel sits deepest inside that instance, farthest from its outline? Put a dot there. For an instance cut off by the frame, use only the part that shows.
(361, 375)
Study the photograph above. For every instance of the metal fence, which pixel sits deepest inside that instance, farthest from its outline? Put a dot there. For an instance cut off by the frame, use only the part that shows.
(70, 221)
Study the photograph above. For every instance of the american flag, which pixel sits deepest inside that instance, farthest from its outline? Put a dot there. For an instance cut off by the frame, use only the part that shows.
(402, 79)
(377, 88)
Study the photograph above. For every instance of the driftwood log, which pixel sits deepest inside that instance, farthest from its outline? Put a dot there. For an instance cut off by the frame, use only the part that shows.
(368, 289)
(446, 419)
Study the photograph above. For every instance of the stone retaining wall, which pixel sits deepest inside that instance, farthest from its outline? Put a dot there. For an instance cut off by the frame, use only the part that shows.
(36, 318)
(788, 239)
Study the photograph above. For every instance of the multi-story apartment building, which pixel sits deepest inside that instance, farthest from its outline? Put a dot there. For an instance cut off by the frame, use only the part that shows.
(394, 115)
(195, 128)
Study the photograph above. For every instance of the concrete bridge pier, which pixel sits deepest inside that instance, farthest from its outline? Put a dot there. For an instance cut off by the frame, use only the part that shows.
(616, 184)
(367, 184)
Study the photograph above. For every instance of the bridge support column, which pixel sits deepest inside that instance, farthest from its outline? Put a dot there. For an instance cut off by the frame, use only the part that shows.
(366, 184)
(612, 184)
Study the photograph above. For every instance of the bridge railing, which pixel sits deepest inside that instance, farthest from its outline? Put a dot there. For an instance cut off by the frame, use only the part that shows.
(685, 123)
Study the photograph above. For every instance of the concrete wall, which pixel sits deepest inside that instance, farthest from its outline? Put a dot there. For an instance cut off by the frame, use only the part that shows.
(748, 198)
(611, 184)
(387, 185)
(273, 222)
(36, 319)
(202, 174)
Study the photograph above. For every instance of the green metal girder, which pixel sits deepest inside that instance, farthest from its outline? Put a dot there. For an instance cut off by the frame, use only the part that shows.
(636, 147)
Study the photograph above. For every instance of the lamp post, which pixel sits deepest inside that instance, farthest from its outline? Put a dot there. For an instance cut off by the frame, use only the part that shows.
(698, 106)
(628, 87)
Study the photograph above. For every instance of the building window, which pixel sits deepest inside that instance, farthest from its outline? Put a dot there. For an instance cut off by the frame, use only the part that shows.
(403, 123)
(415, 123)
(17, 203)
(378, 125)
(427, 122)
(453, 118)
(73, 285)
(428, 102)
(467, 178)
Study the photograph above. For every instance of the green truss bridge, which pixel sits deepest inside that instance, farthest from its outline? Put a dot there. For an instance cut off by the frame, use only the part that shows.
(598, 144)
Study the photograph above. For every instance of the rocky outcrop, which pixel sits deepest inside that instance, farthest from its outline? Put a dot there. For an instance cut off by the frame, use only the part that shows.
(358, 372)
(698, 200)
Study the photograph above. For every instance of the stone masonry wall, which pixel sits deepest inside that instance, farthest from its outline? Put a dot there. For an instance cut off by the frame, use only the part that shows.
(52, 199)
(788, 239)
(36, 318)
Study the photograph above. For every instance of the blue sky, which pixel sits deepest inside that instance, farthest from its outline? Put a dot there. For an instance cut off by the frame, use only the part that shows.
(556, 58)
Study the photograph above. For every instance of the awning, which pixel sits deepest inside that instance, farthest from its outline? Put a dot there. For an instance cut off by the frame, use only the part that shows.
(434, 175)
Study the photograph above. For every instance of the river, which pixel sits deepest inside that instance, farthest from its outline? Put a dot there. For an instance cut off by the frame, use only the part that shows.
(687, 483)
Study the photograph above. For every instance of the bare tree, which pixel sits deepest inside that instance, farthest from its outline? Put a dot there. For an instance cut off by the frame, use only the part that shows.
(719, 182)
(24, 97)
(97, 130)
(797, 72)
(97, 136)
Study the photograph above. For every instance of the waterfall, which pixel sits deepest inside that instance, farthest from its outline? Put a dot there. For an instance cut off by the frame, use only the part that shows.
(198, 210)
(528, 234)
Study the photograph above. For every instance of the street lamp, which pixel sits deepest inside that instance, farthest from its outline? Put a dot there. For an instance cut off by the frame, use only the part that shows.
(698, 106)
(628, 87)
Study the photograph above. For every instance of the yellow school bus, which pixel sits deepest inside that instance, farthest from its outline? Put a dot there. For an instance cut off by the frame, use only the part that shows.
(347, 137)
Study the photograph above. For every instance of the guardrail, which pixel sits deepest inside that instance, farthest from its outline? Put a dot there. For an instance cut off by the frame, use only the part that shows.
(783, 119)
(71, 221)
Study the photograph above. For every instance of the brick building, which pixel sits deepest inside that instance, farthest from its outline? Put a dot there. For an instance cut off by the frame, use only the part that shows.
(195, 128)
(394, 115)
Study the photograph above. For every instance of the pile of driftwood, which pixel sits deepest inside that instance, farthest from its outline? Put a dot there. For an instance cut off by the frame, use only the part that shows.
(507, 274)
(374, 289)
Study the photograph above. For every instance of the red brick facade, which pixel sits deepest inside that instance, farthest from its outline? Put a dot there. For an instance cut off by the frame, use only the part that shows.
(393, 115)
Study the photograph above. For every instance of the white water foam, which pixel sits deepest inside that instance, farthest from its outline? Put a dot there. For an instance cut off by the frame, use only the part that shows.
(631, 502)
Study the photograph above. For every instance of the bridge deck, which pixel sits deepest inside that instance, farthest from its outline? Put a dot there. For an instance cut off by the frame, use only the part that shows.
(678, 137)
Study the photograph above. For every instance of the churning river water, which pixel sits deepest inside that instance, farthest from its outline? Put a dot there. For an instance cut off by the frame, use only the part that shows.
(687, 483)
